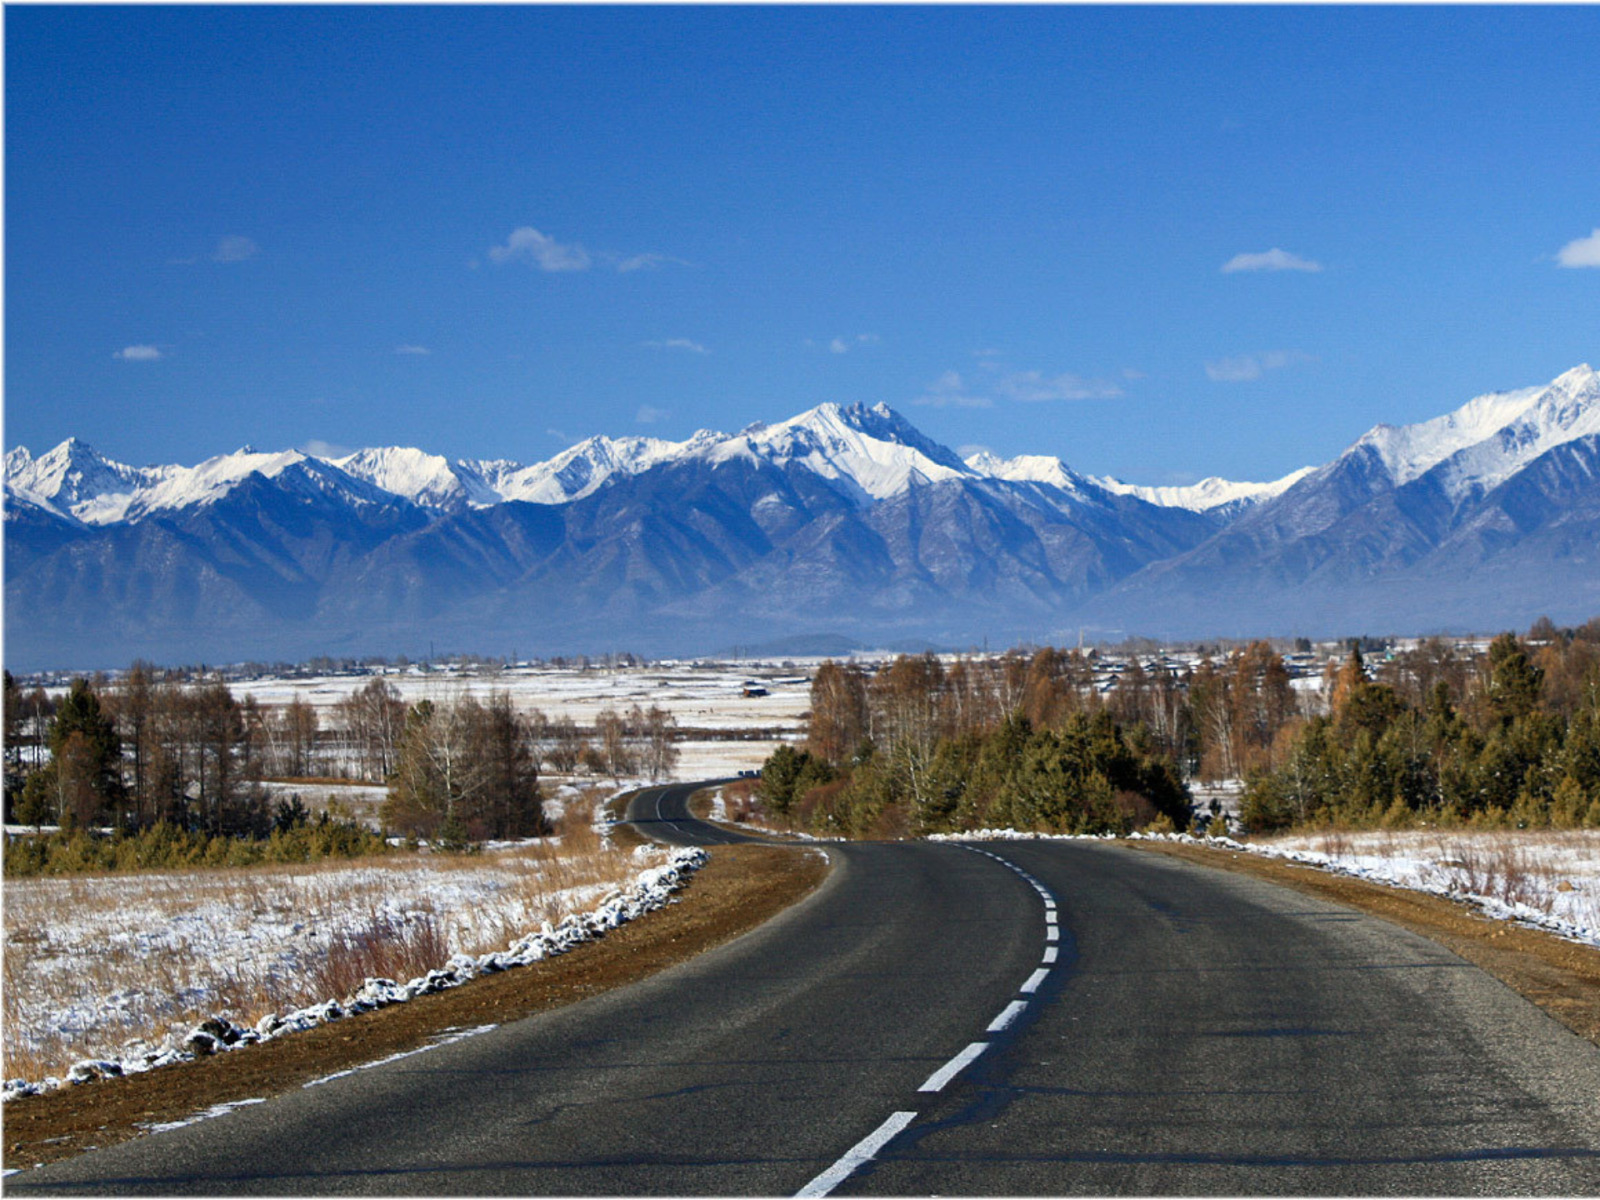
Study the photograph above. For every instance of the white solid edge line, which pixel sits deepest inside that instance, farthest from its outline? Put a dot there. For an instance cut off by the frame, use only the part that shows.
(1007, 1015)
(946, 1073)
(857, 1156)
(1035, 980)
(1050, 954)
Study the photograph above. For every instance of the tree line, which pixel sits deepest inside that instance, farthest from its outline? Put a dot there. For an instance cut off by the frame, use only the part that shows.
(925, 748)
(152, 750)
(1039, 740)
(1511, 737)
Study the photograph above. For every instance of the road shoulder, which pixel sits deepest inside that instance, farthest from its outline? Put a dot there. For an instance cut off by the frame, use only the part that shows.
(1561, 977)
(740, 888)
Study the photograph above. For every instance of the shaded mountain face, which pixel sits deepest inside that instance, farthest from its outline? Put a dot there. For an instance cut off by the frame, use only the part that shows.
(844, 520)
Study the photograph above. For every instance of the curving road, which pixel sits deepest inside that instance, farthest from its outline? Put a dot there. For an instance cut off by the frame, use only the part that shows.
(1010, 1018)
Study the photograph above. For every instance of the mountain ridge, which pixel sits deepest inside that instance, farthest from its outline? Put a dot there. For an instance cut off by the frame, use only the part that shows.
(844, 519)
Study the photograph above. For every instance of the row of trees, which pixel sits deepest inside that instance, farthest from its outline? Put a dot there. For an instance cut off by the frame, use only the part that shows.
(1511, 739)
(151, 750)
(1437, 730)
(921, 747)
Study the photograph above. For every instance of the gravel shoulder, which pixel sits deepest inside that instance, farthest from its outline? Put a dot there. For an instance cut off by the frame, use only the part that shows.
(741, 887)
(1561, 977)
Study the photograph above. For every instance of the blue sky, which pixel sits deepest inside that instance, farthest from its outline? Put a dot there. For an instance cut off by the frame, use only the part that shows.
(1160, 243)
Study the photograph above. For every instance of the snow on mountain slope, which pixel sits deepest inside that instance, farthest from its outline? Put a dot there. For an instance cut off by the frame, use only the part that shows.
(874, 452)
(430, 480)
(76, 481)
(1208, 494)
(1027, 468)
(579, 470)
(1552, 410)
(1565, 410)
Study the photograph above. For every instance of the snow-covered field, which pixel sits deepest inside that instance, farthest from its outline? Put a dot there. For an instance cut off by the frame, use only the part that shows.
(710, 697)
(699, 697)
(94, 962)
(1549, 878)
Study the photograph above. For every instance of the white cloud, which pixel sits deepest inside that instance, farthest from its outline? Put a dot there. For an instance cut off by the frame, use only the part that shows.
(971, 448)
(1034, 386)
(234, 248)
(138, 354)
(676, 344)
(1243, 368)
(950, 391)
(1581, 252)
(649, 414)
(543, 252)
(412, 350)
(843, 345)
(317, 448)
(1271, 260)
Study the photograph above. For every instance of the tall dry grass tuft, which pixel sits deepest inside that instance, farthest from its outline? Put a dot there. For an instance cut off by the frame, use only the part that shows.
(386, 947)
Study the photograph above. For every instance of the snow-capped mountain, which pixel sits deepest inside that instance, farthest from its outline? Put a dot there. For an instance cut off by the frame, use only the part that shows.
(1209, 495)
(1416, 526)
(843, 519)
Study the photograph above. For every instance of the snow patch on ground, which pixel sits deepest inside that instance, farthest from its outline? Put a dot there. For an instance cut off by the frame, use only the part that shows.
(1546, 879)
(650, 890)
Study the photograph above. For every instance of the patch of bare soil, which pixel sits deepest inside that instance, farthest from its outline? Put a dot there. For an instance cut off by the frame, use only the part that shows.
(1561, 977)
(740, 887)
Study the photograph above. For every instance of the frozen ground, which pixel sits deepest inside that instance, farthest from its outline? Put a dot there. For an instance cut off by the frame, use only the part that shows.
(92, 962)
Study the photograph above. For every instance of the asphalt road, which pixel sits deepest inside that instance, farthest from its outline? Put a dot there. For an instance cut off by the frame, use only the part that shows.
(1016, 1018)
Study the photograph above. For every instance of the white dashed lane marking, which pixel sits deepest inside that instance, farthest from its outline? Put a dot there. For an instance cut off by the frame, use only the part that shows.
(857, 1156)
(1007, 1015)
(951, 1069)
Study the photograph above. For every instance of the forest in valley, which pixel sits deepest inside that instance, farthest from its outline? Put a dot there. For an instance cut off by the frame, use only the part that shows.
(1441, 732)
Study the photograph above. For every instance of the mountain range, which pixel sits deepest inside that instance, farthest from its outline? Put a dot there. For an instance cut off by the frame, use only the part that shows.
(844, 520)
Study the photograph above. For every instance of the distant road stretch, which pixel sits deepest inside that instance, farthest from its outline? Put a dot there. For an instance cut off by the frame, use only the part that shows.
(1014, 1018)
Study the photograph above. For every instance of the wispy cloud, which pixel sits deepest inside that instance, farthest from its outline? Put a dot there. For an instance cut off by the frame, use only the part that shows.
(1581, 252)
(1243, 368)
(676, 344)
(1031, 387)
(138, 354)
(843, 345)
(1270, 260)
(234, 248)
(1022, 387)
(951, 391)
(648, 414)
(412, 350)
(645, 262)
(527, 244)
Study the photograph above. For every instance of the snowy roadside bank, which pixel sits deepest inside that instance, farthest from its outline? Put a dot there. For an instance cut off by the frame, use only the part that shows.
(1546, 879)
(649, 890)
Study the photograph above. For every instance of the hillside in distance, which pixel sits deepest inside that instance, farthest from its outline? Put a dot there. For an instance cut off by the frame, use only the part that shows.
(844, 521)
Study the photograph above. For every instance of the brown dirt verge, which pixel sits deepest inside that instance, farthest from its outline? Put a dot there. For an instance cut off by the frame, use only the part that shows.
(738, 889)
(1561, 977)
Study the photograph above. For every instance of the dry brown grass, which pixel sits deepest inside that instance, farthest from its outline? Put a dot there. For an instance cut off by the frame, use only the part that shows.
(92, 962)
